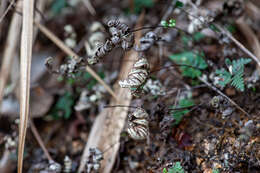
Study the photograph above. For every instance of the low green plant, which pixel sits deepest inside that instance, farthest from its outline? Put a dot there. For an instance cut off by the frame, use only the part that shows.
(57, 6)
(234, 75)
(177, 168)
(178, 114)
(141, 4)
(63, 107)
(215, 170)
(168, 24)
(190, 59)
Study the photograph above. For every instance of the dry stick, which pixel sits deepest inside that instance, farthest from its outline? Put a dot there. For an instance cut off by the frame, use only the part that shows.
(6, 11)
(10, 50)
(26, 56)
(242, 47)
(68, 51)
(222, 94)
(39, 140)
(251, 38)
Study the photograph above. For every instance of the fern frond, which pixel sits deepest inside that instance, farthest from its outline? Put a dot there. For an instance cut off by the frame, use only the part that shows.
(235, 74)
(238, 81)
(225, 77)
(237, 64)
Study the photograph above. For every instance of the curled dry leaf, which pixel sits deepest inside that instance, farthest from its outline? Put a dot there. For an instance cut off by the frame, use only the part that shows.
(138, 124)
(137, 77)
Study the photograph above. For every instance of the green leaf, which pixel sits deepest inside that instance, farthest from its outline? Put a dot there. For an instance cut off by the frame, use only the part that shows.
(238, 81)
(214, 28)
(164, 23)
(235, 74)
(191, 59)
(198, 36)
(165, 170)
(215, 170)
(57, 6)
(228, 62)
(178, 4)
(63, 107)
(231, 28)
(237, 64)
(178, 114)
(225, 77)
(177, 168)
(140, 4)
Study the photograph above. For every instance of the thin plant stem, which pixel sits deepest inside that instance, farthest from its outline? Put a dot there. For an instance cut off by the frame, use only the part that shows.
(39, 140)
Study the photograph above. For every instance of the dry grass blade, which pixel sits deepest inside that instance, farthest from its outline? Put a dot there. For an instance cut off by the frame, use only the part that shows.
(68, 51)
(26, 55)
(10, 49)
(105, 132)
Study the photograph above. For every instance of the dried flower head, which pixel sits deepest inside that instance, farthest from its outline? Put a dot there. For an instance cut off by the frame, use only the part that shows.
(138, 124)
(137, 76)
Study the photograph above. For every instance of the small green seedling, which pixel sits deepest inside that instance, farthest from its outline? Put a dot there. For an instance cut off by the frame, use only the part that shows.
(177, 168)
(168, 24)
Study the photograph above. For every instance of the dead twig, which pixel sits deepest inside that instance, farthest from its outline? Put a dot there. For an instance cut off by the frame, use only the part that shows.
(222, 94)
(26, 56)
